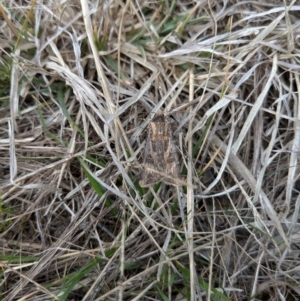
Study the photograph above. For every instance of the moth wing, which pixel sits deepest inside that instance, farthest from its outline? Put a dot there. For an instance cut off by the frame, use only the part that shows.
(148, 177)
(160, 161)
(172, 164)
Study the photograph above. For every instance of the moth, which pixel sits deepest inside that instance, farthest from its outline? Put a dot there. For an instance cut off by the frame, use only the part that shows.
(160, 162)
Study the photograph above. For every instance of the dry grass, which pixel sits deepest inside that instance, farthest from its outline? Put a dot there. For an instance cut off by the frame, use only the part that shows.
(79, 82)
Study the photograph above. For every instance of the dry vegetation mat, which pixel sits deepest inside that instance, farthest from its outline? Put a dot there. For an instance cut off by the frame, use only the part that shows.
(149, 150)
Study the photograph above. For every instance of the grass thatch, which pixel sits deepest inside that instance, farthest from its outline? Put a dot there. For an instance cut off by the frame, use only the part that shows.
(79, 83)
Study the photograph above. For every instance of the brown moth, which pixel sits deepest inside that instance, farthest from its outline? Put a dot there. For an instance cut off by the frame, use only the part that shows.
(160, 162)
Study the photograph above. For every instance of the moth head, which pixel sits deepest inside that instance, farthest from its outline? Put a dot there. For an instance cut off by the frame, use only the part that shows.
(159, 117)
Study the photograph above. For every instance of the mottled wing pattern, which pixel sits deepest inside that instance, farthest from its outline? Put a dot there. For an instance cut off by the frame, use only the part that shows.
(160, 158)
(149, 178)
(172, 162)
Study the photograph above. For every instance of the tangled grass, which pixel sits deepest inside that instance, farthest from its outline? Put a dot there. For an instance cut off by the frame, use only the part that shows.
(80, 81)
